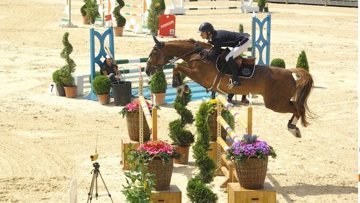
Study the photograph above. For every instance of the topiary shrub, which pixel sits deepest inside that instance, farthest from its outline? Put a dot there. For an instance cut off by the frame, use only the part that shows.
(302, 61)
(120, 20)
(158, 83)
(97, 73)
(278, 62)
(69, 67)
(153, 17)
(91, 9)
(198, 192)
(241, 28)
(57, 77)
(261, 4)
(178, 134)
(101, 85)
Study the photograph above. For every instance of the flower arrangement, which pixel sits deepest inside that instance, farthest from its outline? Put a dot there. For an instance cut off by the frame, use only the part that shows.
(249, 147)
(155, 150)
(132, 107)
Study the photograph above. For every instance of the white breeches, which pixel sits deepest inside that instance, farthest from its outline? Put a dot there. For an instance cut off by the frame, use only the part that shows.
(236, 51)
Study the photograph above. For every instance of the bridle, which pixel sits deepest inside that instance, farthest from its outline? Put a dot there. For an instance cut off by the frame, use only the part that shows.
(172, 60)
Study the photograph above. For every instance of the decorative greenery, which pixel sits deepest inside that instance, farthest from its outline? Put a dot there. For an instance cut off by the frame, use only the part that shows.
(56, 76)
(120, 20)
(101, 85)
(178, 134)
(90, 10)
(278, 62)
(162, 5)
(97, 73)
(212, 108)
(198, 192)
(261, 4)
(202, 160)
(154, 150)
(153, 17)
(249, 147)
(241, 28)
(139, 182)
(158, 83)
(133, 107)
(302, 61)
(83, 9)
(65, 73)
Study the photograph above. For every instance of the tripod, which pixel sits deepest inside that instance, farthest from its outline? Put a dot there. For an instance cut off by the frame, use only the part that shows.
(96, 173)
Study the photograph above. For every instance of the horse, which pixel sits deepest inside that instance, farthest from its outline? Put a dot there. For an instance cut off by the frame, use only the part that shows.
(283, 90)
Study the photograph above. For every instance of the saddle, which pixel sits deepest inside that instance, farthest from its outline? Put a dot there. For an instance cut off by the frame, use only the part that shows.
(246, 65)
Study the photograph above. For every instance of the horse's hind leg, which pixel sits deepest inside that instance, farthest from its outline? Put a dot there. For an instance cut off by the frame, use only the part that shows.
(286, 107)
(292, 126)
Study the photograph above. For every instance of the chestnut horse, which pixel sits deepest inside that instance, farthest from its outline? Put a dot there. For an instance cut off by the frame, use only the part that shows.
(277, 85)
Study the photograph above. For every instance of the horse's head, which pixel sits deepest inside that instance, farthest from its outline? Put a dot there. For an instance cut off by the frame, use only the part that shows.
(157, 58)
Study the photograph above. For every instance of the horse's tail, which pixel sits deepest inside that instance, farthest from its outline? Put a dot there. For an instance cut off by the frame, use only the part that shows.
(304, 84)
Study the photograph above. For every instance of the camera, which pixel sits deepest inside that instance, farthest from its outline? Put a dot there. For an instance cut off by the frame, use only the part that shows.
(94, 157)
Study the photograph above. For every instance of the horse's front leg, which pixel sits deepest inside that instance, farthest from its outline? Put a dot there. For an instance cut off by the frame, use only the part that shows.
(177, 81)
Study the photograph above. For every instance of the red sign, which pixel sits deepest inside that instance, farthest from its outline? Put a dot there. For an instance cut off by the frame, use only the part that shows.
(167, 25)
(108, 17)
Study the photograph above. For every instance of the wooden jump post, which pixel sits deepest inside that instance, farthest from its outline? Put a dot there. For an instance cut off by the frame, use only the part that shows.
(225, 166)
(150, 120)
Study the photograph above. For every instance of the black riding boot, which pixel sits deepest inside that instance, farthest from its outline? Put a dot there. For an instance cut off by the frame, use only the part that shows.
(234, 70)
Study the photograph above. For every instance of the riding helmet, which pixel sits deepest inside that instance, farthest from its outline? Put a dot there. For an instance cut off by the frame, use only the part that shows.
(206, 27)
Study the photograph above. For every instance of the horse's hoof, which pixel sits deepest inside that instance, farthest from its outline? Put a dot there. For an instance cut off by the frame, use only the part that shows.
(295, 131)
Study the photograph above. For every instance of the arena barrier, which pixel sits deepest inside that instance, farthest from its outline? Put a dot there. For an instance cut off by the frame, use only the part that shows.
(225, 166)
(137, 12)
(66, 22)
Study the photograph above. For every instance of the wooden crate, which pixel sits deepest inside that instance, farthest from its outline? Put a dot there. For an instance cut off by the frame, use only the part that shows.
(238, 194)
(173, 195)
(126, 145)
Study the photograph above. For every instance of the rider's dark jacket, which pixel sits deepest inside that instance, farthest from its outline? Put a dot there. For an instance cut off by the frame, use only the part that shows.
(223, 38)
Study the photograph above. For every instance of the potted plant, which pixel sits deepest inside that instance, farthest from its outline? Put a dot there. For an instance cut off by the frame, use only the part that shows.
(120, 20)
(131, 111)
(139, 182)
(261, 4)
(153, 17)
(212, 122)
(302, 61)
(251, 158)
(162, 7)
(101, 86)
(83, 12)
(158, 86)
(158, 156)
(181, 137)
(68, 68)
(278, 62)
(91, 10)
(197, 191)
(56, 76)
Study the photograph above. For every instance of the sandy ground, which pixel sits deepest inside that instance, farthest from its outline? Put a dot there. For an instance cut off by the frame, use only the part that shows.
(45, 140)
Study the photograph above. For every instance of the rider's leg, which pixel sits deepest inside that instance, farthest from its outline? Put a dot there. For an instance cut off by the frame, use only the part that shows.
(235, 52)
(234, 70)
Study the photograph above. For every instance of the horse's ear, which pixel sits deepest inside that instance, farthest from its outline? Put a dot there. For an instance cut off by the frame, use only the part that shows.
(158, 43)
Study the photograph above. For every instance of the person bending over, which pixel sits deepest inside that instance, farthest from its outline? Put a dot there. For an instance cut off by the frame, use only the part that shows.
(110, 69)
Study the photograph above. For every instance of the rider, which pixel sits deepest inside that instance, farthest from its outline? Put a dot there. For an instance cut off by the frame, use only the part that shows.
(222, 38)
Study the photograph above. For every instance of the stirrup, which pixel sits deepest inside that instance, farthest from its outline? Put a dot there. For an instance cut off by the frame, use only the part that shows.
(230, 84)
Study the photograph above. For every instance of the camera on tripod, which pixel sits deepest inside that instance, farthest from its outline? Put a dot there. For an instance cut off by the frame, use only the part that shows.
(94, 157)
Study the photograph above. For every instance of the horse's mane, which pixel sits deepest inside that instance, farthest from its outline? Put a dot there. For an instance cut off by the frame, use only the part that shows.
(190, 42)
